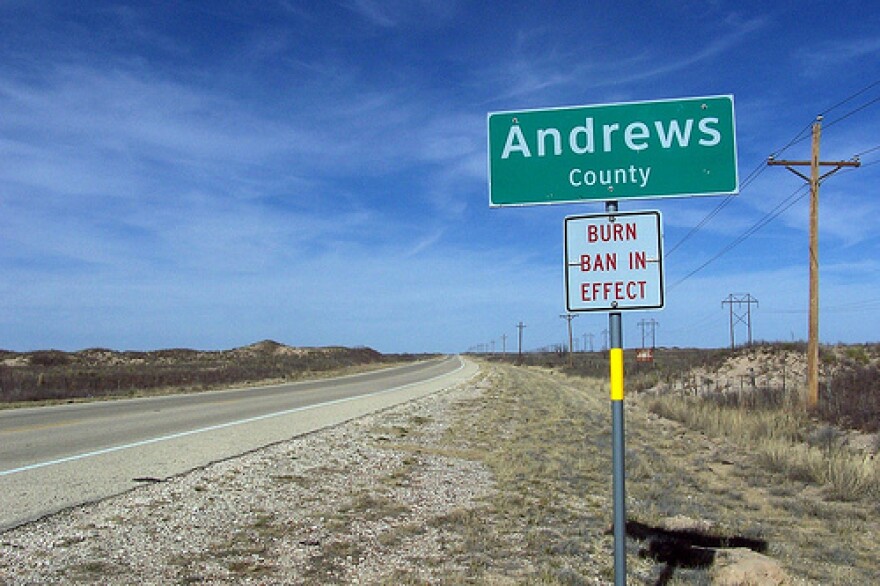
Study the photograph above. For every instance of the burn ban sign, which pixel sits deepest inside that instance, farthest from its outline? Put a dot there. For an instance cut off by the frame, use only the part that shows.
(614, 261)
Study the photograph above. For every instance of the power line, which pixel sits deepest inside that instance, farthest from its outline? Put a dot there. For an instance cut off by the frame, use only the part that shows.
(699, 323)
(870, 150)
(800, 136)
(780, 208)
(777, 211)
(797, 138)
(724, 203)
(702, 223)
(852, 97)
(842, 308)
(848, 114)
(855, 306)
(788, 202)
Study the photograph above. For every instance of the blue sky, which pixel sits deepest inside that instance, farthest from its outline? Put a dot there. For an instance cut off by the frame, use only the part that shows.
(210, 174)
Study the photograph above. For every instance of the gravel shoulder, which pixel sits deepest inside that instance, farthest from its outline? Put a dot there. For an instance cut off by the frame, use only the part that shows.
(342, 504)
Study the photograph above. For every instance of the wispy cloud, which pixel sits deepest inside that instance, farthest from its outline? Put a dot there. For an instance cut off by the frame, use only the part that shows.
(818, 58)
(394, 13)
(535, 66)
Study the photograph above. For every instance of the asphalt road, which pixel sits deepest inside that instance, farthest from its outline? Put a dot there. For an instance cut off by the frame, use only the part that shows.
(52, 458)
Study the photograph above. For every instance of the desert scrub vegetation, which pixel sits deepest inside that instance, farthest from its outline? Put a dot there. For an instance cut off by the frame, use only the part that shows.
(765, 375)
(851, 397)
(100, 372)
(785, 441)
(771, 420)
(669, 363)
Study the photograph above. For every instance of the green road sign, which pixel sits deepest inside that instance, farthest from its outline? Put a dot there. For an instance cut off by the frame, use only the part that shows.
(664, 148)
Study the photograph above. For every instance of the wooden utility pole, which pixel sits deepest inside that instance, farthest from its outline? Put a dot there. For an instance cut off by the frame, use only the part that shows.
(568, 317)
(814, 180)
(520, 327)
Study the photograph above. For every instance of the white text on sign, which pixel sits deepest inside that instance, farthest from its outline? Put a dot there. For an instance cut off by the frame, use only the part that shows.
(636, 136)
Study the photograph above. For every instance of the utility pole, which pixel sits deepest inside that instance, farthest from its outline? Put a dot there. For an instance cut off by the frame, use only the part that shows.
(814, 180)
(739, 315)
(520, 327)
(568, 317)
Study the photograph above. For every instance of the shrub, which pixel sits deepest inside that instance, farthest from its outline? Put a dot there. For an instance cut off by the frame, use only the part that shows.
(51, 374)
(49, 358)
(851, 398)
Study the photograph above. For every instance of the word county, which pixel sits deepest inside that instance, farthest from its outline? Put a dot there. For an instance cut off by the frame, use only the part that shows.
(607, 262)
(591, 138)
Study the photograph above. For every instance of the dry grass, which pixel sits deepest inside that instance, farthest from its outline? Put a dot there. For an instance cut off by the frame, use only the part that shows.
(546, 443)
(813, 496)
(546, 438)
(785, 441)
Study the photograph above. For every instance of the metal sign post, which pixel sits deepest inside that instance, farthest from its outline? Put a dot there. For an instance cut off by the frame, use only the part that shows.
(615, 327)
(614, 263)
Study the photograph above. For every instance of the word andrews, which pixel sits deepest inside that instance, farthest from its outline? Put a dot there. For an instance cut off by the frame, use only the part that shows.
(636, 136)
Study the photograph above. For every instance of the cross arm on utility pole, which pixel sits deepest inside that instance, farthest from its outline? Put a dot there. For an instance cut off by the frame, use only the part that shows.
(790, 165)
(568, 317)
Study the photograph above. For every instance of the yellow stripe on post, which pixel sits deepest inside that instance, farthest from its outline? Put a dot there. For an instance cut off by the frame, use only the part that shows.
(617, 374)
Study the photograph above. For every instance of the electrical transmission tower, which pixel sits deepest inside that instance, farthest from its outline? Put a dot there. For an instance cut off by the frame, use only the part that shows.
(503, 344)
(814, 180)
(590, 338)
(738, 315)
(649, 325)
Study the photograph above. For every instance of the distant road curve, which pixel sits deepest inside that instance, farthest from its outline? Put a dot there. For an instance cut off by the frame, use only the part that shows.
(52, 458)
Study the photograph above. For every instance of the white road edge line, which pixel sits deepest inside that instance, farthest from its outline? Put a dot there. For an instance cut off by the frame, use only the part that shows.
(220, 426)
